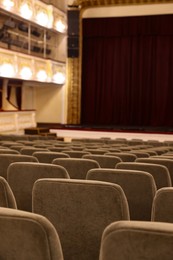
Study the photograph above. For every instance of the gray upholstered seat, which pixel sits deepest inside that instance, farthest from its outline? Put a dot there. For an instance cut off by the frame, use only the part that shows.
(105, 161)
(77, 168)
(58, 149)
(9, 151)
(137, 240)
(166, 162)
(140, 154)
(31, 150)
(76, 154)
(79, 210)
(48, 157)
(95, 151)
(7, 159)
(159, 172)
(125, 157)
(139, 188)
(162, 210)
(27, 236)
(22, 175)
(7, 198)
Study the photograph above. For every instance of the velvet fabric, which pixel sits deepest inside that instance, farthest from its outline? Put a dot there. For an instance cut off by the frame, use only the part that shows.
(77, 168)
(105, 161)
(166, 162)
(48, 157)
(7, 198)
(137, 240)
(127, 74)
(7, 159)
(27, 236)
(79, 210)
(162, 210)
(159, 172)
(22, 175)
(139, 188)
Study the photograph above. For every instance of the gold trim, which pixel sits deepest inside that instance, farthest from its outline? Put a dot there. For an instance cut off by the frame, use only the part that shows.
(91, 3)
(73, 110)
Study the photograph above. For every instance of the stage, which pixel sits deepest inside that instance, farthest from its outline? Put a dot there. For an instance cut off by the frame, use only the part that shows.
(68, 132)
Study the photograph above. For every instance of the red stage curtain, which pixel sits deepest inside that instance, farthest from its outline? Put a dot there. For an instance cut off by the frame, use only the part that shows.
(127, 71)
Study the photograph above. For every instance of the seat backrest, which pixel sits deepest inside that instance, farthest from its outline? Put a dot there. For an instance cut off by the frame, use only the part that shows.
(77, 168)
(48, 157)
(7, 198)
(166, 162)
(139, 188)
(76, 154)
(140, 154)
(79, 210)
(105, 161)
(25, 235)
(7, 159)
(162, 210)
(31, 150)
(9, 151)
(22, 175)
(125, 157)
(136, 240)
(95, 150)
(159, 172)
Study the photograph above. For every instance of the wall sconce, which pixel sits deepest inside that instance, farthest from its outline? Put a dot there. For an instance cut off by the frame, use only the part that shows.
(59, 78)
(25, 72)
(25, 67)
(41, 70)
(42, 75)
(7, 69)
(25, 9)
(7, 64)
(60, 26)
(43, 14)
(7, 4)
(60, 23)
(58, 73)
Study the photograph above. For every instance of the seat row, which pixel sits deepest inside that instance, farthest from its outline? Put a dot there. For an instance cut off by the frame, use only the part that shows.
(81, 208)
(73, 219)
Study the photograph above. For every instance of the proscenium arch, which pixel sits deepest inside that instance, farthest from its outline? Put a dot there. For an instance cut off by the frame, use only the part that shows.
(87, 8)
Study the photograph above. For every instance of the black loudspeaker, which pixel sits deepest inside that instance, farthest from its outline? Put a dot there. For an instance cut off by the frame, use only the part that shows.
(73, 33)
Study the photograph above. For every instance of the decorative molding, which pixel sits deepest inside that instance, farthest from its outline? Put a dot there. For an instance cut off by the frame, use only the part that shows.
(73, 92)
(15, 122)
(93, 3)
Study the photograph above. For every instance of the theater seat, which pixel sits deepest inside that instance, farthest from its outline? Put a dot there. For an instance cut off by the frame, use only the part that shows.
(159, 172)
(162, 210)
(79, 210)
(27, 236)
(22, 175)
(138, 186)
(137, 240)
(48, 157)
(77, 168)
(7, 159)
(105, 161)
(7, 198)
